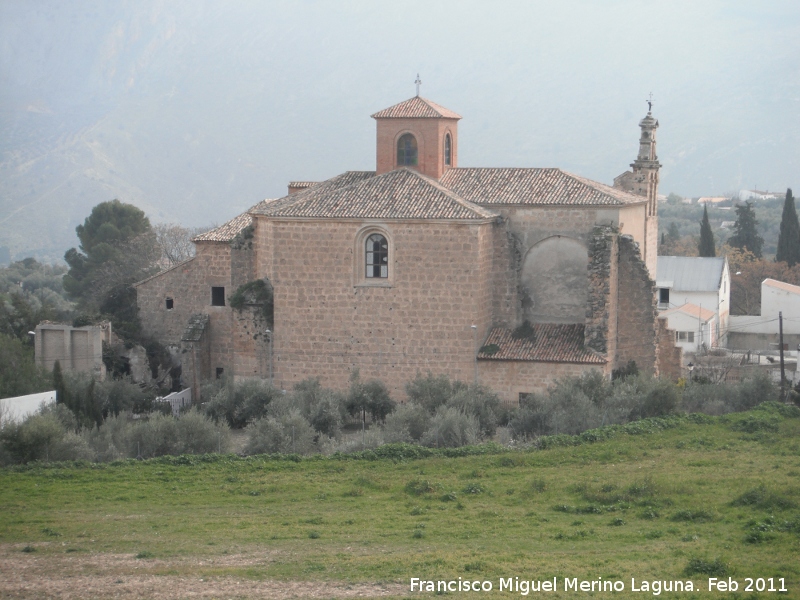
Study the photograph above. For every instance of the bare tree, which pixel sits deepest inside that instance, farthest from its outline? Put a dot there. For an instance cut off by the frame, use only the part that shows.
(174, 242)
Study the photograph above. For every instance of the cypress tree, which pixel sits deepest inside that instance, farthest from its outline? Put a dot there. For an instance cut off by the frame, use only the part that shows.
(706, 247)
(789, 236)
(745, 232)
(60, 386)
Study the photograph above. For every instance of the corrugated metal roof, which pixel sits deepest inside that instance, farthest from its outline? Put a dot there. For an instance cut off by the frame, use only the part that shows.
(550, 342)
(416, 108)
(400, 194)
(533, 187)
(690, 273)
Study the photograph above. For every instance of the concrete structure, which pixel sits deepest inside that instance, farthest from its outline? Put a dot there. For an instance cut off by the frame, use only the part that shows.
(76, 348)
(422, 265)
(694, 327)
(703, 282)
(760, 333)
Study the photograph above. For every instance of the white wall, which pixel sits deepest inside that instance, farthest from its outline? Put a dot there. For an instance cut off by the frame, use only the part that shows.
(19, 407)
(775, 300)
(703, 332)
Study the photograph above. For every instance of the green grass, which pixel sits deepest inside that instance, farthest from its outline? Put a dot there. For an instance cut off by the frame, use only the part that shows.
(690, 499)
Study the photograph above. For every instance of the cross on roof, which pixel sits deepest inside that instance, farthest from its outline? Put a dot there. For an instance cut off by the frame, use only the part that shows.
(649, 101)
(418, 82)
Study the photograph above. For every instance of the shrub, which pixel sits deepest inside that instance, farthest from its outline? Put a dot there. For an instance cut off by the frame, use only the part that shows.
(371, 396)
(48, 435)
(713, 568)
(451, 428)
(479, 401)
(288, 433)
(431, 391)
(240, 402)
(156, 436)
(198, 434)
(408, 422)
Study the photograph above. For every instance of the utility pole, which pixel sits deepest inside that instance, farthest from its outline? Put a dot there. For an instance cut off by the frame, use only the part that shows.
(780, 341)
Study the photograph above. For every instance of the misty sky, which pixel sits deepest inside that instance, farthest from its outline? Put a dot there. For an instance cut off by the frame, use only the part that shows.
(195, 110)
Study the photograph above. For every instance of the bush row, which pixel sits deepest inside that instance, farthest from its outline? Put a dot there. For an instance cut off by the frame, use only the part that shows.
(439, 413)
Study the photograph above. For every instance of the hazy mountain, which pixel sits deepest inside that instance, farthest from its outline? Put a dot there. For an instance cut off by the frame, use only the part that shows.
(196, 110)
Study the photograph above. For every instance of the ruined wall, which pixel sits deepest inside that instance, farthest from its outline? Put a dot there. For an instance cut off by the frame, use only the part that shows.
(670, 356)
(636, 329)
(327, 322)
(505, 280)
(510, 378)
(601, 312)
(188, 285)
(195, 354)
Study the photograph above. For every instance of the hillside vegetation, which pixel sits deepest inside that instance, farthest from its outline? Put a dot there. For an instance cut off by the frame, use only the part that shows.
(672, 498)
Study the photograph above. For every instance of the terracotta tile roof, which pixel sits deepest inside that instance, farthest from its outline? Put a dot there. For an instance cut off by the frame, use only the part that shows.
(302, 184)
(782, 285)
(227, 231)
(533, 187)
(399, 194)
(690, 309)
(550, 342)
(415, 108)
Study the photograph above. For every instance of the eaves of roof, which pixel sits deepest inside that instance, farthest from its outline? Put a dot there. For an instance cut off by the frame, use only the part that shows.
(533, 187)
(550, 342)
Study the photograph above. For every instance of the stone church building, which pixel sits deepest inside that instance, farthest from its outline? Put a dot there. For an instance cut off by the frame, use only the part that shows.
(511, 277)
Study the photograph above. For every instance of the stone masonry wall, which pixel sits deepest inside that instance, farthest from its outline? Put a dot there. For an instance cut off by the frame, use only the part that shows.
(510, 378)
(328, 323)
(670, 356)
(230, 342)
(505, 278)
(636, 330)
(601, 314)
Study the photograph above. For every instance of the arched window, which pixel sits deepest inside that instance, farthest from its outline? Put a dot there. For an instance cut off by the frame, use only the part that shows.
(407, 150)
(377, 255)
(448, 151)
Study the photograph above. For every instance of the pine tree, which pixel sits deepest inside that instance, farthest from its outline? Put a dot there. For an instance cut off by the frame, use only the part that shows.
(745, 230)
(706, 247)
(789, 236)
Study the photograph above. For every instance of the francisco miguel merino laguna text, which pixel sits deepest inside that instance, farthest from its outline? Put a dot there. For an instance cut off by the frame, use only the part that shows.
(525, 586)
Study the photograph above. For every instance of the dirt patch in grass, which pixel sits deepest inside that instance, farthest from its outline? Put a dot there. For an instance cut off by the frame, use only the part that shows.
(87, 576)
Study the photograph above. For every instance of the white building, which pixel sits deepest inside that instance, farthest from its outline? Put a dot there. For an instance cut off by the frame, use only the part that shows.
(702, 282)
(760, 333)
(694, 326)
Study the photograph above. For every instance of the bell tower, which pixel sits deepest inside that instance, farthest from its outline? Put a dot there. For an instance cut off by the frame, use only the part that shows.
(417, 134)
(643, 181)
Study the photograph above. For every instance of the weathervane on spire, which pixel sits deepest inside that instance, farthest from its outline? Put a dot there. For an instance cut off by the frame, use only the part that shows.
(649, 101)
(418, 82)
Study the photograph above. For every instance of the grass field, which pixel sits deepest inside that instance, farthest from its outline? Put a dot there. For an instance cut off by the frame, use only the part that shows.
(679, 499)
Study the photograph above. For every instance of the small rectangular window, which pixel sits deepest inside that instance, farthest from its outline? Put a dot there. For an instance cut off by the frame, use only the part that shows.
(217, 296)
(170, 304)
(690, 335)
(663, 296)
(681, 336)
(220, 372)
